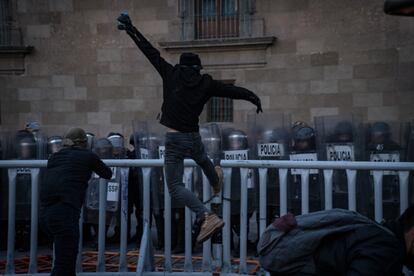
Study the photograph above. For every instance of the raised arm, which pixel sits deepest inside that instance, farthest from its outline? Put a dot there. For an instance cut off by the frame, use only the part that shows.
(153, 55)
(220, 89)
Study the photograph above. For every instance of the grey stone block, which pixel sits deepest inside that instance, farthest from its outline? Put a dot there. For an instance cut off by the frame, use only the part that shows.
(352, 86)
(63, 80)
(38, 31)
(61, 5)
(75, 93)
(374, 71)
(328, 58)
(367, 99)
(111, 55)
(324, 87)
(338, 72)
(323, 111)
(384, 113)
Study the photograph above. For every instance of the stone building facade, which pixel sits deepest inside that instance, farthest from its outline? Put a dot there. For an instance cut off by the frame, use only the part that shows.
(307, 58)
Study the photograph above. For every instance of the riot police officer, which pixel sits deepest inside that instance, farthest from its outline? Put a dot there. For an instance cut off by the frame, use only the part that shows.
(304, 149)
(382, 148)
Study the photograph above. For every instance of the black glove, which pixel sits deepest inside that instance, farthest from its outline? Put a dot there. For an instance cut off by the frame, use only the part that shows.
(124, 22)
(256, 101)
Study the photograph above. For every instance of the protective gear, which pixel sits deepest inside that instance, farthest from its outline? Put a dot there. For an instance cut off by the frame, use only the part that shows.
(91, 140)
(343, 132)
(54, 144)
(236, 140)
(26, 145)
(117, 141)
(304, 149)
(382, 148)
(103, 148)
(303, 138)
(340, 138)
(75, 137)
(380, 133)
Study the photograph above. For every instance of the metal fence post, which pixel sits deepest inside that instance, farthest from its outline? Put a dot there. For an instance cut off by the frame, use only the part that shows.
(207, 243)
(167, 228)
(243, 221)
(123, 262)
(227, 220)
(263, 200)
(378, 195)
(404, 201)
(328, 176)
(100, 266)
(351, 178)
(12, 173)
(148, 261)
(34, 220)
(188, 262)
(305, 190)
(283, 191)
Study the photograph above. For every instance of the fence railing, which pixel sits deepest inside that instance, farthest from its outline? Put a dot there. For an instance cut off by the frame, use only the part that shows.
(145, 262)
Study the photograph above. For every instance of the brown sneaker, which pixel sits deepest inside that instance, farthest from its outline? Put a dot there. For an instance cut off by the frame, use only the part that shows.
(211, 225)
(217, 186)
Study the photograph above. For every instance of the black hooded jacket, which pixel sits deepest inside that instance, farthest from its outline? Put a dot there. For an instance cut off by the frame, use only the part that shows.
(186, 91)
(67, 175)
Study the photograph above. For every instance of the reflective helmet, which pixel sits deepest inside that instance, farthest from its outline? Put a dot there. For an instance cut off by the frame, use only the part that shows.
(343, 132)
(54, 144)
(236, 140)
(103, 148)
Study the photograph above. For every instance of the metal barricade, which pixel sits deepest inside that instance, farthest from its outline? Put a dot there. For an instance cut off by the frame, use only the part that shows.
(145, 263)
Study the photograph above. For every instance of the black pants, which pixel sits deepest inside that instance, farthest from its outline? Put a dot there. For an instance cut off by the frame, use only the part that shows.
(178, 146)
(61, 223)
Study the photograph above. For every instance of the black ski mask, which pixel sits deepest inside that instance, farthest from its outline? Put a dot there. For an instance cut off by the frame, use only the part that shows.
(191, 60)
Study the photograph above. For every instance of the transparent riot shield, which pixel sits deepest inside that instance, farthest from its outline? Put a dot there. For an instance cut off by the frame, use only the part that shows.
(270, 136)
(235, 145)
(104, 149)
(341, 138)
(23, 145)
(149, 144)
(303, 148)
(386, 142)
(91, 140)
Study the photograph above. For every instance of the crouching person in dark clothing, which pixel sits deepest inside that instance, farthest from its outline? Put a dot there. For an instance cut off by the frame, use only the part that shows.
(62, 195)
(338, 242)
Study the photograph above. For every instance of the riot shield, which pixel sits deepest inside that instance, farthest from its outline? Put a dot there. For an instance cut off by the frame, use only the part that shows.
(23, 145)
(54, 144)
(149, 144)
(303, 148)
(340, 138)
(386, 142)
(235, 145)
(91, 140)
(270, 137)
(118, 145)
(104, 149)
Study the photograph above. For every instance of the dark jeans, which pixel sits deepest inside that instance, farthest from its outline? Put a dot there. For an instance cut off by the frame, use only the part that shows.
(179, 145)
(60, 222)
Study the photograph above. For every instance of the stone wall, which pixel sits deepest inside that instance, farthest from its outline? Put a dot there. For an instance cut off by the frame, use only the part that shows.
(330, 57)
